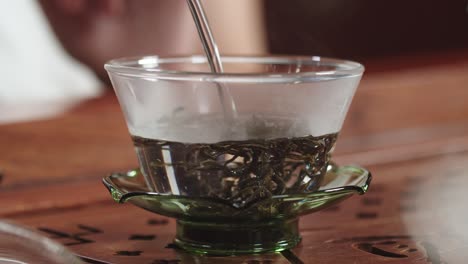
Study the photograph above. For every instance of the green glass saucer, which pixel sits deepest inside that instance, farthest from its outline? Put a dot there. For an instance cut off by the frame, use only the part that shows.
(207, 225)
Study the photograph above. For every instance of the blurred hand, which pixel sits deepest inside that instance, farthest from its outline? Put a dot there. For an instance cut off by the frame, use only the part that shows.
(95, 31)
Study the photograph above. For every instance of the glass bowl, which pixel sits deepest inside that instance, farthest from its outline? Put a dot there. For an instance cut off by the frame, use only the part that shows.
(20, 245)
(236, 157)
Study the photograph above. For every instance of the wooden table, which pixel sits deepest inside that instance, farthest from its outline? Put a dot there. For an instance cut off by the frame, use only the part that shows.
(408, 124)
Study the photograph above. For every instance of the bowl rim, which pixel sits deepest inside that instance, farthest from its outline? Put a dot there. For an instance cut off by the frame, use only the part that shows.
(146, 67)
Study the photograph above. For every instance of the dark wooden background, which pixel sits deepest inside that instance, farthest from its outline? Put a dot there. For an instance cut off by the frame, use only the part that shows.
(407, 125)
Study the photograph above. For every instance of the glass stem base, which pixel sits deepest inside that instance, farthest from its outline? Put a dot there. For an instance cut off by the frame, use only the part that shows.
(237, 238)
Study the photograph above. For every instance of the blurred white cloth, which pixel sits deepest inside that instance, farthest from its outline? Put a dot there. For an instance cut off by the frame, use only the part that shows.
(35, 70)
